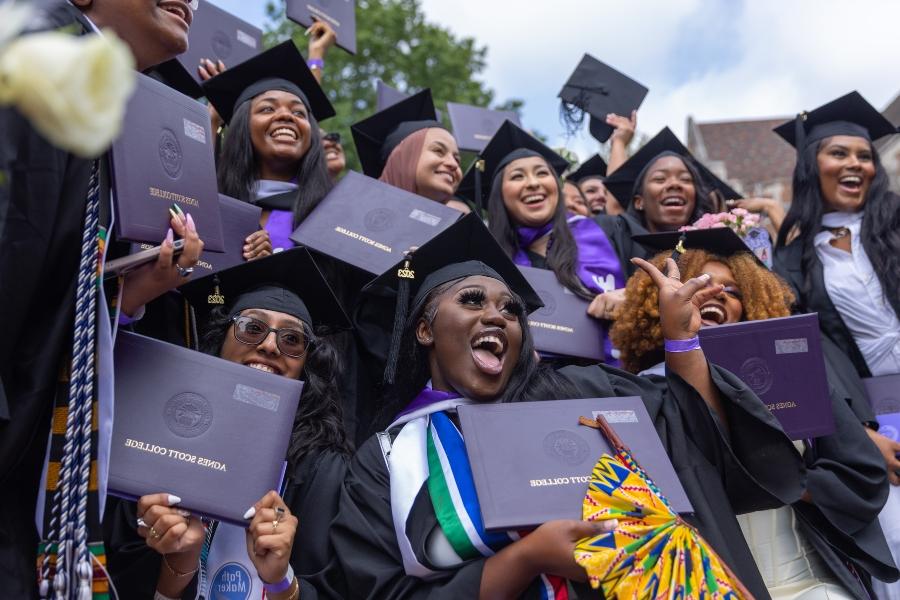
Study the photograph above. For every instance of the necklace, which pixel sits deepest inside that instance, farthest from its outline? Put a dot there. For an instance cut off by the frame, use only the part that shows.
(838, 232)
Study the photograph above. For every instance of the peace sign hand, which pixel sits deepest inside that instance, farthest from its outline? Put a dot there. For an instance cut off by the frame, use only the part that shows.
(679, 303)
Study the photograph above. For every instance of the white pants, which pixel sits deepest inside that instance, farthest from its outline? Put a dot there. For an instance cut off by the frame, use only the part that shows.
(890, 523)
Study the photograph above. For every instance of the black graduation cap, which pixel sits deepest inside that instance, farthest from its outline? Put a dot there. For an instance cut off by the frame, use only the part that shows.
(593, 167)
(597, 89)
(850, 114)
(722, 241)
(508, 144)
(377, 136)
(464, 249)
(279, 280)
(621, 183)
(281, 67)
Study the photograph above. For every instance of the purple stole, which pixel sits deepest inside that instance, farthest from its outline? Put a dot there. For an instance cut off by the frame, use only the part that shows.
(280, 226)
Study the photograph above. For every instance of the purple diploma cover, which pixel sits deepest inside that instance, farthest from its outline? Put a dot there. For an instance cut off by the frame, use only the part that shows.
(532, 461)
(216, 35)
(781, 361)
(210, 431)
(370, 224)
(562, 326)
(884, 394)
(340, 14)
(473, 126)
(164, 155)
(239, 220)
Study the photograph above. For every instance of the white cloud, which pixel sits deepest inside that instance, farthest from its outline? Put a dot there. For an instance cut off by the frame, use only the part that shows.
(782, 56)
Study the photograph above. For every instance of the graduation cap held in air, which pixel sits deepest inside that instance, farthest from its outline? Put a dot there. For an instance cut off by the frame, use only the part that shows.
(281, 67)
(508, 144)
(622, 182)
(594, 167)
(288, 282)
(464, 249)
(377, 136)
(597, 89)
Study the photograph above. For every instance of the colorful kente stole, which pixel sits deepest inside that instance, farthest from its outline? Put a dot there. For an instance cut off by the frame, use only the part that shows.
(430, 450)
(71, 558)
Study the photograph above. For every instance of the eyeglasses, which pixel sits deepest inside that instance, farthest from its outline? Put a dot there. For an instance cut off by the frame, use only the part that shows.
(290, 341)
(332, 137)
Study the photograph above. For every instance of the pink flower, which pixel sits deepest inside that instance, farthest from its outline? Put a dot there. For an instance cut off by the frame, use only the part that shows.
(741, 212)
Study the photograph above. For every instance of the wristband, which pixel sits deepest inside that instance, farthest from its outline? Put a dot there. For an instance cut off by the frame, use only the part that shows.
(283, 585)
(683, 345)
(315, 63)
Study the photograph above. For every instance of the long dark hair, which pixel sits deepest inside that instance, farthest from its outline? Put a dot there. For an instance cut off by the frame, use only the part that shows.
(238, 167)
(880, 230)
(318, 424)
(703, 202)
(529, 380)
(562, 252)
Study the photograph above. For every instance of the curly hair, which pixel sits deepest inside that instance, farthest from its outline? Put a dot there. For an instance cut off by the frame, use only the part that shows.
(318, 424)
(637, 332)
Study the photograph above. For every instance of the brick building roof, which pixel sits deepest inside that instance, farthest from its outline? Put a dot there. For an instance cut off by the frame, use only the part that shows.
(749, 150)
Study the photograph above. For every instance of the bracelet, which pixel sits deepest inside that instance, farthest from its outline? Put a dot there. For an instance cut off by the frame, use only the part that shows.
(279, 586)
(683, 345)
(315, 63)
(295, 593)
(177, 573)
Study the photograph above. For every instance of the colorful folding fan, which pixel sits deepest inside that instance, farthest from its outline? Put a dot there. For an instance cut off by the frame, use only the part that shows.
(653, 553)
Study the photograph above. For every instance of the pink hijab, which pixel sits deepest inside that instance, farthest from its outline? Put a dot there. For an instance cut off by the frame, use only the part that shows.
(400, 168)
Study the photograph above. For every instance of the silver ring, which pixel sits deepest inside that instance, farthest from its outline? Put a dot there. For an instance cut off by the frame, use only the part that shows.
(141, 522)
(184, 271)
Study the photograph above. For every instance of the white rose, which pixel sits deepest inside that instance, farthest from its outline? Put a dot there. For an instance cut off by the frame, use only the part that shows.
(72, 89)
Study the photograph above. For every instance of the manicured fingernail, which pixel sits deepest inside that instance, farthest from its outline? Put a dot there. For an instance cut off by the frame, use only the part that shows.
(170, 237)
(705, 277)
(177, 209)
(251, 512)
(221, 65)
(308, 30)
(173, 500)
(190, 223)
(174, 215)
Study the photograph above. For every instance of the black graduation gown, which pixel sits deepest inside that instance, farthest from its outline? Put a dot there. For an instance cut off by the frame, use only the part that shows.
(311, 493)
(806, 276)
(42, 206)
(619, 229)
(752, 468)
(848, 485)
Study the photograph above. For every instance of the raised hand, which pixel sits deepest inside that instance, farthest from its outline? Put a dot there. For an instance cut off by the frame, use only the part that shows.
(270, 537)
(607, 305)
(321, 38)
(679, 303)
(624, 127)
(170, 530)
(257, 245)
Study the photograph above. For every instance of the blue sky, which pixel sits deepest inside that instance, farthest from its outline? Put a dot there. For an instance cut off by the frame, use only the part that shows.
(711, 59)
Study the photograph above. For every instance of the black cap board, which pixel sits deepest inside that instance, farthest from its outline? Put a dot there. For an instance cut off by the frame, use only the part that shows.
(593, 167)
(279, 68)
(722, 241)
(377, 136)
(474, 126)
(339, 14)
(597, 89)
(292, 270)
(511, 142)
(217, 35)
(621, 182)
(850, 114)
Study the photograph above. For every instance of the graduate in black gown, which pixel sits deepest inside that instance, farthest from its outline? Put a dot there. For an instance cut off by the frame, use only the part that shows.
(42, 203)
(467, 339)
(839, 544)
(839, 248)
(287, 292)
